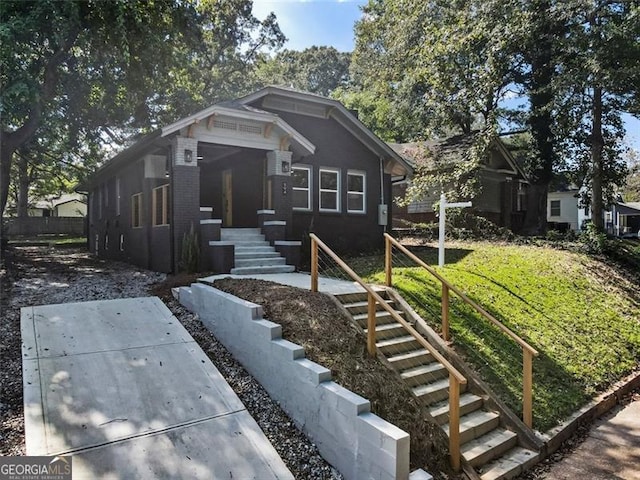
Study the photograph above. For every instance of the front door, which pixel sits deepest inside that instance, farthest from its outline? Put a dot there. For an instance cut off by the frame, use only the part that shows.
(227, 196)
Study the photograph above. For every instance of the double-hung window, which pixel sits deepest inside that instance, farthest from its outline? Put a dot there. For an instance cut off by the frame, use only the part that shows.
(161, 205)
(329, 191)
(555, 208)
(301, 185)
(356, 192)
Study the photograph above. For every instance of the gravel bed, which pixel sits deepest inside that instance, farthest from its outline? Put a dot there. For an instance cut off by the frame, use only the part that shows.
(49, 275)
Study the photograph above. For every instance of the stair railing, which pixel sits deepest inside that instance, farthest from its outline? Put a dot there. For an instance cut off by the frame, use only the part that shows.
(528, 352)
(455, 377)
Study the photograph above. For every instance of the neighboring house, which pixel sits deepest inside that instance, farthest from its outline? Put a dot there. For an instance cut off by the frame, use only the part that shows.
(502, 198)
(65, 205)
(284, 161)
(623, 219)
(564, 211)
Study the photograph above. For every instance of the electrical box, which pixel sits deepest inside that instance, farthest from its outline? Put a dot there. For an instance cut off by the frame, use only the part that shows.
(383, 214)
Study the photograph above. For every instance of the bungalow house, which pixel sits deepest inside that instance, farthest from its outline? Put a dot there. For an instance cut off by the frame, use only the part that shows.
(252, 177)
(64, 205)
(503, 183)
(564, 210)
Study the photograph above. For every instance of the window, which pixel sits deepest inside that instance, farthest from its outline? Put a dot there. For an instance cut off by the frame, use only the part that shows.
(301, 185)
(521, 198)
(356, 196)
(329, 190)
(555, 208)
(100, 202)
(136, 210)
(161, 205)
(117, 196)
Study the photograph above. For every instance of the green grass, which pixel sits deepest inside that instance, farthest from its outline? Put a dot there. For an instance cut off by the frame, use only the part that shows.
(582, 318)
(53, 240)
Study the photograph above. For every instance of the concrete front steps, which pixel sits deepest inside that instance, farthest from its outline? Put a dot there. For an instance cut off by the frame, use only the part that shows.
(486, 445)
(253, 254)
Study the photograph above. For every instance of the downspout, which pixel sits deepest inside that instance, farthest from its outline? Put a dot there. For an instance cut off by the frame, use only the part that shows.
(381, 181)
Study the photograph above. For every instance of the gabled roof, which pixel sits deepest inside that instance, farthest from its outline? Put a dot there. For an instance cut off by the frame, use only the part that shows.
(396, 165)
(448, 151)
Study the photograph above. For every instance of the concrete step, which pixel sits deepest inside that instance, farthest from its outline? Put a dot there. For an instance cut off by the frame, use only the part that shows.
(346, 298)
(510, 465)
(388, 330)
(410, 359)
(468, 403)
(362, 307)
(433, 392)
(475, 424)
(424, 374)
(243, 249)
(242, 236)
(240, 231)
(397, 345)
(259, 262)
(489, 446)
(382, 317)
(243, 256)
(249, 243)
(265, 269)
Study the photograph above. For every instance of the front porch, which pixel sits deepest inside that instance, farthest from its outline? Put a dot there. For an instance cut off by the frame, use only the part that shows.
(230, 169)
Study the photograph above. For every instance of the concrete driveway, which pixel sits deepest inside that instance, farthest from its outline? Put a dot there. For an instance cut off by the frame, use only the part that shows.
(124, 388)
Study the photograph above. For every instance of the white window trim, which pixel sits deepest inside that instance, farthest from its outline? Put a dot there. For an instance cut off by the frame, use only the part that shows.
(324, 190)
(309, 170)
(551, 202)
(362, 174)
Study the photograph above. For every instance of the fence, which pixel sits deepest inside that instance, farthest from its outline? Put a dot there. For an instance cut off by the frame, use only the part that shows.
(34, 226)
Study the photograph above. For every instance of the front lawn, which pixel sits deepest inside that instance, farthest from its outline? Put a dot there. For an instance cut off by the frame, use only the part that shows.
(580, 314)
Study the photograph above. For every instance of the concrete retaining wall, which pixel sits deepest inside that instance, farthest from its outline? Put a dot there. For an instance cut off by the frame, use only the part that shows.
(358, 443)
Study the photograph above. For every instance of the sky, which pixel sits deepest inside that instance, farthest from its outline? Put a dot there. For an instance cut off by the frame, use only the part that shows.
(330, 22)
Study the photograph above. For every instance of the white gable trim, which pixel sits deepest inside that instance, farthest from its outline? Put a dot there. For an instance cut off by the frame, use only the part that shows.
(265, 138)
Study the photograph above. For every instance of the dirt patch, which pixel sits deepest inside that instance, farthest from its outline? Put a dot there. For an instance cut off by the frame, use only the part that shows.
(329, 337)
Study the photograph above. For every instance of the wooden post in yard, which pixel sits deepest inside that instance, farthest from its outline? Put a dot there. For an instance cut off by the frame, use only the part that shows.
(371, 325)
(454, 422)
(387, 261)
(445, 312)
(314, 265)
(527, 388)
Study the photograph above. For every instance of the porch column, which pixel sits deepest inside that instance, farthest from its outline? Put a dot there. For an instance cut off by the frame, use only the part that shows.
(279, 175)
(185, 193)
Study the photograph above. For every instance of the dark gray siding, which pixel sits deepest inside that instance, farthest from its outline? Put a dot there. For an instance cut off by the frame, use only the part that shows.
(336, 147)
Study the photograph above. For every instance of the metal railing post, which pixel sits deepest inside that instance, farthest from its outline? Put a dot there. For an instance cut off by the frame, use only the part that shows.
(314, 265)
(371, 325)
(527, 387)
(454, 422)
(387, 261)
(445, 312)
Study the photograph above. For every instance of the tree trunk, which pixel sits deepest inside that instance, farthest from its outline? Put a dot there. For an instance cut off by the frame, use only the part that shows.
(597, 145)
(6, 159)
(541, 96)
(23, 187)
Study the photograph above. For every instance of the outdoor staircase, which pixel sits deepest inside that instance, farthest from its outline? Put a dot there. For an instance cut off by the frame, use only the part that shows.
(493, 451)
(252, 253)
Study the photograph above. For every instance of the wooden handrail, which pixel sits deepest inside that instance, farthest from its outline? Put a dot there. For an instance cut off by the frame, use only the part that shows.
(528, 352)
(455, 377)
(464, 298)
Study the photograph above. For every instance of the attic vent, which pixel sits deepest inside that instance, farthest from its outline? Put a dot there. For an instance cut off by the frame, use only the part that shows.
(225, 125)
(250, 129)
(295, 107)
